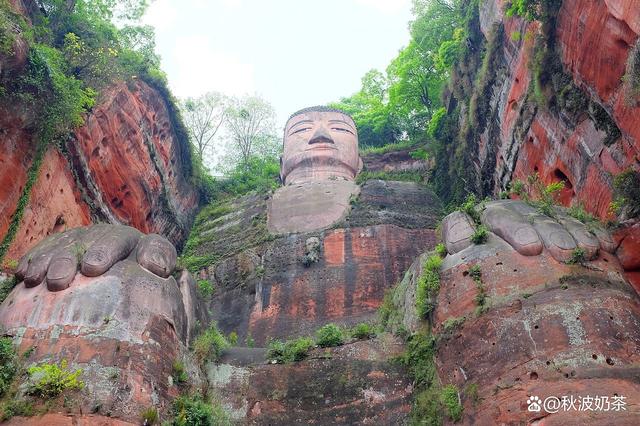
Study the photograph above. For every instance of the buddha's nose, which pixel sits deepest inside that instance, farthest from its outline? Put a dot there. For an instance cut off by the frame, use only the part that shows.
(321, 135)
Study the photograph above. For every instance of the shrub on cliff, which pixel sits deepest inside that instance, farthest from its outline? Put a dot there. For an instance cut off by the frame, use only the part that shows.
(195, 411)
(289, 351)
(50, 380)
(428, 285)
(627, 193)
(8, 364)
(363, 331)
(210, 344)
(329, 335)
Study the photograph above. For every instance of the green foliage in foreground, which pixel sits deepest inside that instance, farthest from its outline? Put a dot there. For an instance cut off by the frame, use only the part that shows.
(205, 288)
(428, 285)
(578, 211)
(472, 207)
(536, 193)
(627, 192)
(450, 398)
(290, 350)
(432, 400)
(209, 345)
(363, 331)
(50, 380)
(480, 235)
(441, 250)
(149, 416)
(8, 364)
(329, 335)
(578, 256)
(6, 286)
(195, 411)
(179, 372)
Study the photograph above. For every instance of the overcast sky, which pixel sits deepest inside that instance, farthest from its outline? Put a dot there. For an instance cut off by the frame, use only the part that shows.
(294, 53)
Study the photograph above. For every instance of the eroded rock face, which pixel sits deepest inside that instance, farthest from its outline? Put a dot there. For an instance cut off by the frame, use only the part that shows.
(124, 166)
(133, 165)
(124, 319)
(266, 288)
(546, 328)
(349, 385)
(583, 148)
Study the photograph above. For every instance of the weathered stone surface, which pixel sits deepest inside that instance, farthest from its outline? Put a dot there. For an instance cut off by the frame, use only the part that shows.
(55, 202)
(68, 420)
(133, 166)
(319, 144)
(511, 227)
(93, 250)
(457, 229)
(583, 238)
(267, 288)
(394, 161)
(309, 206)
(545, 328)
(629, 249)
(346, 286)
(523, 138)
(267, 291)
(125, 165)
(405, 204)
(124, 327)
(349, 385)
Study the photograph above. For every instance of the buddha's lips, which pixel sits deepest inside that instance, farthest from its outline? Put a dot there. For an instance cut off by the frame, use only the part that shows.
(321, 147)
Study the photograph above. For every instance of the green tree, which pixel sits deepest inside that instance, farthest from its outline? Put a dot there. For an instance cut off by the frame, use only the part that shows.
(250, 122)
(370, 110)
(399, 105)
(204, 117)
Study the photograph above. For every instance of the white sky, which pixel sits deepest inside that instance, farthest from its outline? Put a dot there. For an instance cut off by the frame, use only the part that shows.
(294, 53)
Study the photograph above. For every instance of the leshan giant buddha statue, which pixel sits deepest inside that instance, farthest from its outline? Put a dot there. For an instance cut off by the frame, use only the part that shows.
(319, 165)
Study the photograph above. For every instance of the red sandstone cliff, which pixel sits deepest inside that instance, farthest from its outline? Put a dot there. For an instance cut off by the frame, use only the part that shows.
(589, 132)
(126, 164)
(594, 41)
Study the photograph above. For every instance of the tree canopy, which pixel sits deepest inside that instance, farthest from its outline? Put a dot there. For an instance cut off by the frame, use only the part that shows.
(398, 104)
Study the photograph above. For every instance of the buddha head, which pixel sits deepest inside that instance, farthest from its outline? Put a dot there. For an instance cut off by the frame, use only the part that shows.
(320, 143)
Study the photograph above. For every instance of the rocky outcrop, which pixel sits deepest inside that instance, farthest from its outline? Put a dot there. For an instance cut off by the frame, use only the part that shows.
(517, 325)
(398, 160)
(124, 320)
(128, 164)
(125, 165)
(591, 131)
(349, 385)
(269, 287)
(132, 166)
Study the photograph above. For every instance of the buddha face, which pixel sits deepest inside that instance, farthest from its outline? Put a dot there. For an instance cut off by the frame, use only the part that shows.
(320, 145)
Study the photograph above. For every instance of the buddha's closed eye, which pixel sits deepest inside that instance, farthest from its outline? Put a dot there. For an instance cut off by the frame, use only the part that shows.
(341, 129)
(304, 129)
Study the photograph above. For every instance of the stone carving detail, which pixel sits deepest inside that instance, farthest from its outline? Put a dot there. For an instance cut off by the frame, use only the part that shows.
(94, 249)
(94, 294)
(320, 143)
(528, 231)
(319, 164)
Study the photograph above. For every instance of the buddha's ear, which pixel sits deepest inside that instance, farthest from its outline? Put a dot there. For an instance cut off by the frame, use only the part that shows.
(360, 165)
